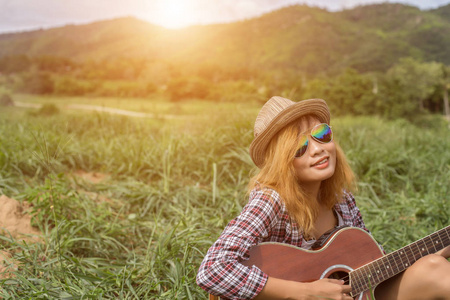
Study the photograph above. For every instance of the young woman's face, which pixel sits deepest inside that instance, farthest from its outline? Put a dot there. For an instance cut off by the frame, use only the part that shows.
(319, 161)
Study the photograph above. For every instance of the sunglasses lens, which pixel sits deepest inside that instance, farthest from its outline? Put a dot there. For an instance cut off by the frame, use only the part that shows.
(303, 147)
(322, 133)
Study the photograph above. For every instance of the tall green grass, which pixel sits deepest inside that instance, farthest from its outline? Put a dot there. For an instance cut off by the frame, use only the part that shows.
(172, 187)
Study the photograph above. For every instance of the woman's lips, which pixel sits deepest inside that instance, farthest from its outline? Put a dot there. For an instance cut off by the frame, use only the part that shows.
(321, 164)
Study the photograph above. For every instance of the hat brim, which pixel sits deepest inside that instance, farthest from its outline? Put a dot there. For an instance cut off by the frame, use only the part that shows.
(315, 107)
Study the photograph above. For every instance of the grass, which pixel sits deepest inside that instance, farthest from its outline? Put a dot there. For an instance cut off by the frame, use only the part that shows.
(154, 105)
(173, 185)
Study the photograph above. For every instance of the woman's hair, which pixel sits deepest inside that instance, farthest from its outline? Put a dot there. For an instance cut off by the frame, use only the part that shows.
(278, 173)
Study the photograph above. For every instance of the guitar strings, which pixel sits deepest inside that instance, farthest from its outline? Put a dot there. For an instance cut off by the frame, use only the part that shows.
(428, 243)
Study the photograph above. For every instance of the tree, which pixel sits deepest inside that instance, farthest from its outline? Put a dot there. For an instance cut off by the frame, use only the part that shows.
(183, 88)
(446, 87)
(411, 82)
(36, 82)
(14, 64)
(346, 93)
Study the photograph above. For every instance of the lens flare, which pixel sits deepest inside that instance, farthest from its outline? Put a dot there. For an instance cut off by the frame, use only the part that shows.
(174, 13)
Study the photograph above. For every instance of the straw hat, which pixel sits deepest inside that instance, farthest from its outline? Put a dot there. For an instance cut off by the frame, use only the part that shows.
(275, 115)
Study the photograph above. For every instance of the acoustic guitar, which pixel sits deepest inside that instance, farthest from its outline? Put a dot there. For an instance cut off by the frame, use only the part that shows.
(350, 254)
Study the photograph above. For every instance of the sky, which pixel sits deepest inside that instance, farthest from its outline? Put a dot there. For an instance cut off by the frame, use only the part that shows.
(23, 15)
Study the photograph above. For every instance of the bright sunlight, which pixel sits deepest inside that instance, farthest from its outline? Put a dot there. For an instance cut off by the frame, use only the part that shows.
(174, 13)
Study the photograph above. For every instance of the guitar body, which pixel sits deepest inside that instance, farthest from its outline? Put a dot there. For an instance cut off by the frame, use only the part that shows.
(346, 250)
(350, 254)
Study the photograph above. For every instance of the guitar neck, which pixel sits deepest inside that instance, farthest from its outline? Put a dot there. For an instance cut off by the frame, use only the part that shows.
(368, 276)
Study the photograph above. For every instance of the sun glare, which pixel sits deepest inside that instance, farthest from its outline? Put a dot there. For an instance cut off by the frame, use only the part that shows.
(174, 13)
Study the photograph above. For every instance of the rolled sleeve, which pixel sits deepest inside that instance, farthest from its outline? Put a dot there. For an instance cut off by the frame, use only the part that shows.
(221, 272)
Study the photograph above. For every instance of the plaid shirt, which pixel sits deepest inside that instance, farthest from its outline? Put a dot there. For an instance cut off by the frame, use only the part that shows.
(263, 219)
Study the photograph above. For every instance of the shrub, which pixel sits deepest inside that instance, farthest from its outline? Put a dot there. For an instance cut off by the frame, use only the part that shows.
(36, 82)
(47, 109)
(123, 88)
(73, 86)
(5, 98)
(237, 91)
(188, 87)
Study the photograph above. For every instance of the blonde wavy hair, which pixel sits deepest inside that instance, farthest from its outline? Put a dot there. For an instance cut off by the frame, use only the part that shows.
(278, 173)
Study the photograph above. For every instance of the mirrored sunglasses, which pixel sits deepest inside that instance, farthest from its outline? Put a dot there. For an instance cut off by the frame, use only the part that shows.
(320, 133)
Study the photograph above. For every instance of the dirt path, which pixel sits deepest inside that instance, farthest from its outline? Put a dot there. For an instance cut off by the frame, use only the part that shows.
(27, 104)
(110, 110)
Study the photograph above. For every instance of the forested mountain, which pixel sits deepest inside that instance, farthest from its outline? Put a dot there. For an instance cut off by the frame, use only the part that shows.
(366, 38)
(386, 59)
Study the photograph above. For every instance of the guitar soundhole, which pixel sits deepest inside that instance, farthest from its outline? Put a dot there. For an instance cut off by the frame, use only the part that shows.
(340, 275)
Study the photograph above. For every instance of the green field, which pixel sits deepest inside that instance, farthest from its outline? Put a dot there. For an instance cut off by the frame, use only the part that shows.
(169, 186)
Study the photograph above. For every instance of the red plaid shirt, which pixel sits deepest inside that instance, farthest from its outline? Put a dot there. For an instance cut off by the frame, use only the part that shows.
(263, 219)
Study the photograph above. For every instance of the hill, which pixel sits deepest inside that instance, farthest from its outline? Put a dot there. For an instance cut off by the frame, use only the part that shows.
(367, 38)
(402, 29)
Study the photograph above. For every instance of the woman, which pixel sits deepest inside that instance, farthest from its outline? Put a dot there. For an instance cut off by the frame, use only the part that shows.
(302, 190)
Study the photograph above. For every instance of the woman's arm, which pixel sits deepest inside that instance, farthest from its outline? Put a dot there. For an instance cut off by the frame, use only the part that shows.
(221, 272)
(321, 289)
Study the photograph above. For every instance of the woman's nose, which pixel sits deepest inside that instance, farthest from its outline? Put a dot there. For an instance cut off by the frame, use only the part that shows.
(315, 147)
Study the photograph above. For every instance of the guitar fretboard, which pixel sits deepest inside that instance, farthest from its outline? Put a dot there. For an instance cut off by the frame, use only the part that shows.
(368, 276)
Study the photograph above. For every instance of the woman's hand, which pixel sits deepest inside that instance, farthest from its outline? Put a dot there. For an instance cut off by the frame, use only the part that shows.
(328, 289)
(444, 252)
(321, 289)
